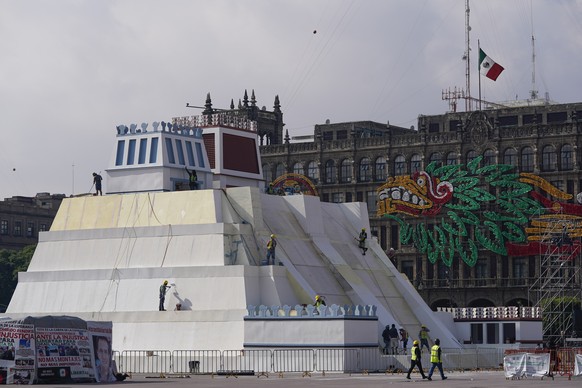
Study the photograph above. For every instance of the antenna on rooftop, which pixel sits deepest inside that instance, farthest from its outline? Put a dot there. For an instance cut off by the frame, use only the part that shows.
(533, 93)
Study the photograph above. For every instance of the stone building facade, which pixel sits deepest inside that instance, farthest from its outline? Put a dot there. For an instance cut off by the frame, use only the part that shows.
(22, 218)
(350, 161)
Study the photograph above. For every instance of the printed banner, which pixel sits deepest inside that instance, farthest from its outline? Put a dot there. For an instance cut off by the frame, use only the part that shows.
(526, 365)
(16, 353)
(64, 354)
(101, 340)
(514, 365)
(537, 365)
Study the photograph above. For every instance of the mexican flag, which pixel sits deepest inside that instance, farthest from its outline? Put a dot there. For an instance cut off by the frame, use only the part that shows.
(488, 66)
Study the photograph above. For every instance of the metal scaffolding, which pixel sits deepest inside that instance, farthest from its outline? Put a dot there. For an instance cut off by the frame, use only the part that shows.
(558, 288)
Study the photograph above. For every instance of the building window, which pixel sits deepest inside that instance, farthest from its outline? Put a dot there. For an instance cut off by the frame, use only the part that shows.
(120, 151)
(510, 157)
(267, 173)
(519, 271)
(451, 158)
(3, 227)
(143, 145)
(476, 333)
(328, 135)
(341, 135)
(436, 158)
(329, 171)
(549, 158)
(337, 197)
(42, 228)
(407, 268)
(471, 155)
(415, 163)
(381, 168)
(170, 151)
(566, 157)
(399, 165)
(280, 170)
(200, 154)
(190, 153)
(298, 168)
(180, 151)
(481, 272)
(348, 197)
(365, 170)
(313, 171)
(527, 159)
(17, 228)
(489, 158)
(346, 171)
(371, 201)
(131, 152)
(29, 229)
(154, 150)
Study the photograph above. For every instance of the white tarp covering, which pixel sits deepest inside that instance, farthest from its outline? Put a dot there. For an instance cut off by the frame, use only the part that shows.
(526, 365)
(578, 365)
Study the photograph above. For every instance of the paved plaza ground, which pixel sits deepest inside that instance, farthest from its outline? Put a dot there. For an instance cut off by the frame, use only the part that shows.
(489, 379)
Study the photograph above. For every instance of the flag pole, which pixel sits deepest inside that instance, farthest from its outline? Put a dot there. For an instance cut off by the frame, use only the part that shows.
(479, 70)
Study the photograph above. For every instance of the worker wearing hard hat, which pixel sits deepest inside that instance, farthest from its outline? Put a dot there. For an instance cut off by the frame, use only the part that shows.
(271, 245)
(319, 301)
(163, 288)
(415, 360)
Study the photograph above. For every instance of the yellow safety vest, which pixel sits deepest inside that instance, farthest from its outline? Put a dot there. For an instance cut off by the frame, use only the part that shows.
(413, 353)
(434, 354)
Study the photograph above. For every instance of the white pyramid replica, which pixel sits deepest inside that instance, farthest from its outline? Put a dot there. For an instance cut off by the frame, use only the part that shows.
(106, 256)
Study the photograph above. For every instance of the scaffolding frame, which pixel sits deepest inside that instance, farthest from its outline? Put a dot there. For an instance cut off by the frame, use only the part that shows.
(559, 284)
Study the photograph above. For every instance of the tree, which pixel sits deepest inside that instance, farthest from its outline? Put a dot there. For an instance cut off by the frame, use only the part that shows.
(12, 262)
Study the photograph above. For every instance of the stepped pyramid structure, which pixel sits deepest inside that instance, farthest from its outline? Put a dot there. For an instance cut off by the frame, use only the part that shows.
(106, 256)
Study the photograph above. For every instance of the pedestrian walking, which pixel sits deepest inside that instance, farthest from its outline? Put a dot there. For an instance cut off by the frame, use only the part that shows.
(415, 360)
(436, 359)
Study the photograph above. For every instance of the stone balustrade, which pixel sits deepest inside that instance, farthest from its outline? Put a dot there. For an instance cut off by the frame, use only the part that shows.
(506, 312)
(310, 311)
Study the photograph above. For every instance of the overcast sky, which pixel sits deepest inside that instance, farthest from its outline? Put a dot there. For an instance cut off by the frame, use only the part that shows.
(72, 70)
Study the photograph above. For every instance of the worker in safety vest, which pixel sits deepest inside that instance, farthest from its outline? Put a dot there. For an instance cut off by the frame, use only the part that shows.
(436, 359)
(271, 245)
(415, 360)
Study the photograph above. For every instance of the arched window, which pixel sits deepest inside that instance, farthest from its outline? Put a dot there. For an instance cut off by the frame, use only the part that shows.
(471, 155)
(330, 171)
(489, 158)
(437, 158)
(451, 158)
(549, 158)
(346, 171)
(415, 163)
(510, 157)
(365, 170)
(527, 159)
(298, 168)
(313, 171)
(267, 173)
(399, 165)
(567, 157)
(280, 170)
(380, 168)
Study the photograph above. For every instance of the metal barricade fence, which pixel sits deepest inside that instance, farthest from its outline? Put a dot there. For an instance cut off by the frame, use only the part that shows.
(336, 360)
(145, 361)
(293, 360)
(477, 358)
(196, 361)
(256, 360)
(370, 359)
